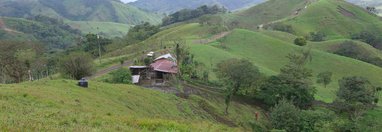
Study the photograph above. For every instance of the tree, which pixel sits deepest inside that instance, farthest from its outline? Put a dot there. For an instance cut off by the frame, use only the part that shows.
(372, 10)
(77, 65)
(369, 37)
(235, 75)
(293, 83)
(188, 14)
(141, 32)
(286, 116)
(94, 44)
(324, 78)
(355, 95)
(300, 41)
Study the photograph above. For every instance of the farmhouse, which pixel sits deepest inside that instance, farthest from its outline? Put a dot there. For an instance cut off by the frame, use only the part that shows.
(157, 73)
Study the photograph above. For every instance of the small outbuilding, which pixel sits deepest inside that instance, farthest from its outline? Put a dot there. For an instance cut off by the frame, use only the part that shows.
(157, 73)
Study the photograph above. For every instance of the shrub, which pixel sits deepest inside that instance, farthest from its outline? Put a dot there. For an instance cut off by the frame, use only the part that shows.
(77, 65)
(285, 116)
(317, 36)
(356, 95)
(122, 76)
(300, 41)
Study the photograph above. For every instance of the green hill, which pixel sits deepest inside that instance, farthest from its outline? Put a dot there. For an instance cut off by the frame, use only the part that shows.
(110, 16)
(265, 13)
(78, 10)
(60, 105)
(265, 51)
(52, 33)
(338, 19)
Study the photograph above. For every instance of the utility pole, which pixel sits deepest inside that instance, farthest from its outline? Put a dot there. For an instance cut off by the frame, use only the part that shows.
(99, 50)
(99, 47)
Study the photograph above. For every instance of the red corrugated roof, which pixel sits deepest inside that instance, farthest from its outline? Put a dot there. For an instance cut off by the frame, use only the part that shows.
(164, 65)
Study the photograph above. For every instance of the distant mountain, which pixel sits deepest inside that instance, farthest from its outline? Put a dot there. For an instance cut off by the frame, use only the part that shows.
(168, 6)
(78, 10)
(52, 33)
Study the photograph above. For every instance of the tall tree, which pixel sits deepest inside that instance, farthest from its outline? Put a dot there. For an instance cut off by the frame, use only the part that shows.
(293, 83)
(355, 95)
(324, 78)
(77, 65)
(235, 75)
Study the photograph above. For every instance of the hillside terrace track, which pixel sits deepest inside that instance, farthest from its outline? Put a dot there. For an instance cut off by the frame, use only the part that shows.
(4, 27)
(213, 38)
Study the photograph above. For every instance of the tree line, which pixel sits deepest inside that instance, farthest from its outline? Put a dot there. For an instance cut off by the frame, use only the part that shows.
(188, 14)
(290, 95)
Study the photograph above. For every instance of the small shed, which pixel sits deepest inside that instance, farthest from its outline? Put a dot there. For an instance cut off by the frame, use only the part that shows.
(138, 73)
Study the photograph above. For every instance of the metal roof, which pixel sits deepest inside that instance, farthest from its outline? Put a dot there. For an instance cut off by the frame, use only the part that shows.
(164, 65)
(166, 56)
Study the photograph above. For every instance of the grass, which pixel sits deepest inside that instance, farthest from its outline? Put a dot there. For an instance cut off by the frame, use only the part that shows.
(60, 105)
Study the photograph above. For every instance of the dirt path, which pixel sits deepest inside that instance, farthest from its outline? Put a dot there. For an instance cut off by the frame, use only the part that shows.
(213, 38)
(293, 15)
(109, 69)
(4, 27)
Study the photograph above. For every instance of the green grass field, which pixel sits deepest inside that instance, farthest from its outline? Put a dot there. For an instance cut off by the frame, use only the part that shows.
(60, 105)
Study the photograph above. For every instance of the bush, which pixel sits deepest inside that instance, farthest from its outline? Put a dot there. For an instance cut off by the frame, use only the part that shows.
(355, 96)
(369, 37)
(282, 28)
(122, 76)
(285, 116)
(77, 65)
(352, 50)
(300, 41)
(317, 36)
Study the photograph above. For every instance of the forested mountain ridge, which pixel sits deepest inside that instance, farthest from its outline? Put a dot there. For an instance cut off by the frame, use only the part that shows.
(168, 6)
(78, 10)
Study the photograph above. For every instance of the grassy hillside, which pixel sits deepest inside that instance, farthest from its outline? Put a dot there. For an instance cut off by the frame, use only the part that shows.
(75, 10)
(338, 19)
(266, 12)
(266, 49)
(60, 105)
(108, 29)
(54, 34)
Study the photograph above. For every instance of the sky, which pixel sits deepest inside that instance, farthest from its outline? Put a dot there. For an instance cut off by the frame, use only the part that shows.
(127, 1)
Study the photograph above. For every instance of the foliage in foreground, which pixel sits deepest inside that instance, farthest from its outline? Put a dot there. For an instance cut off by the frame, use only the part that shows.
(77, 66)
(122, 76)
(235, 75)
(293, 83)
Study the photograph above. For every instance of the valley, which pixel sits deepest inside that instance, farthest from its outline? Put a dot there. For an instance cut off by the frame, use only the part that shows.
(276, 65)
